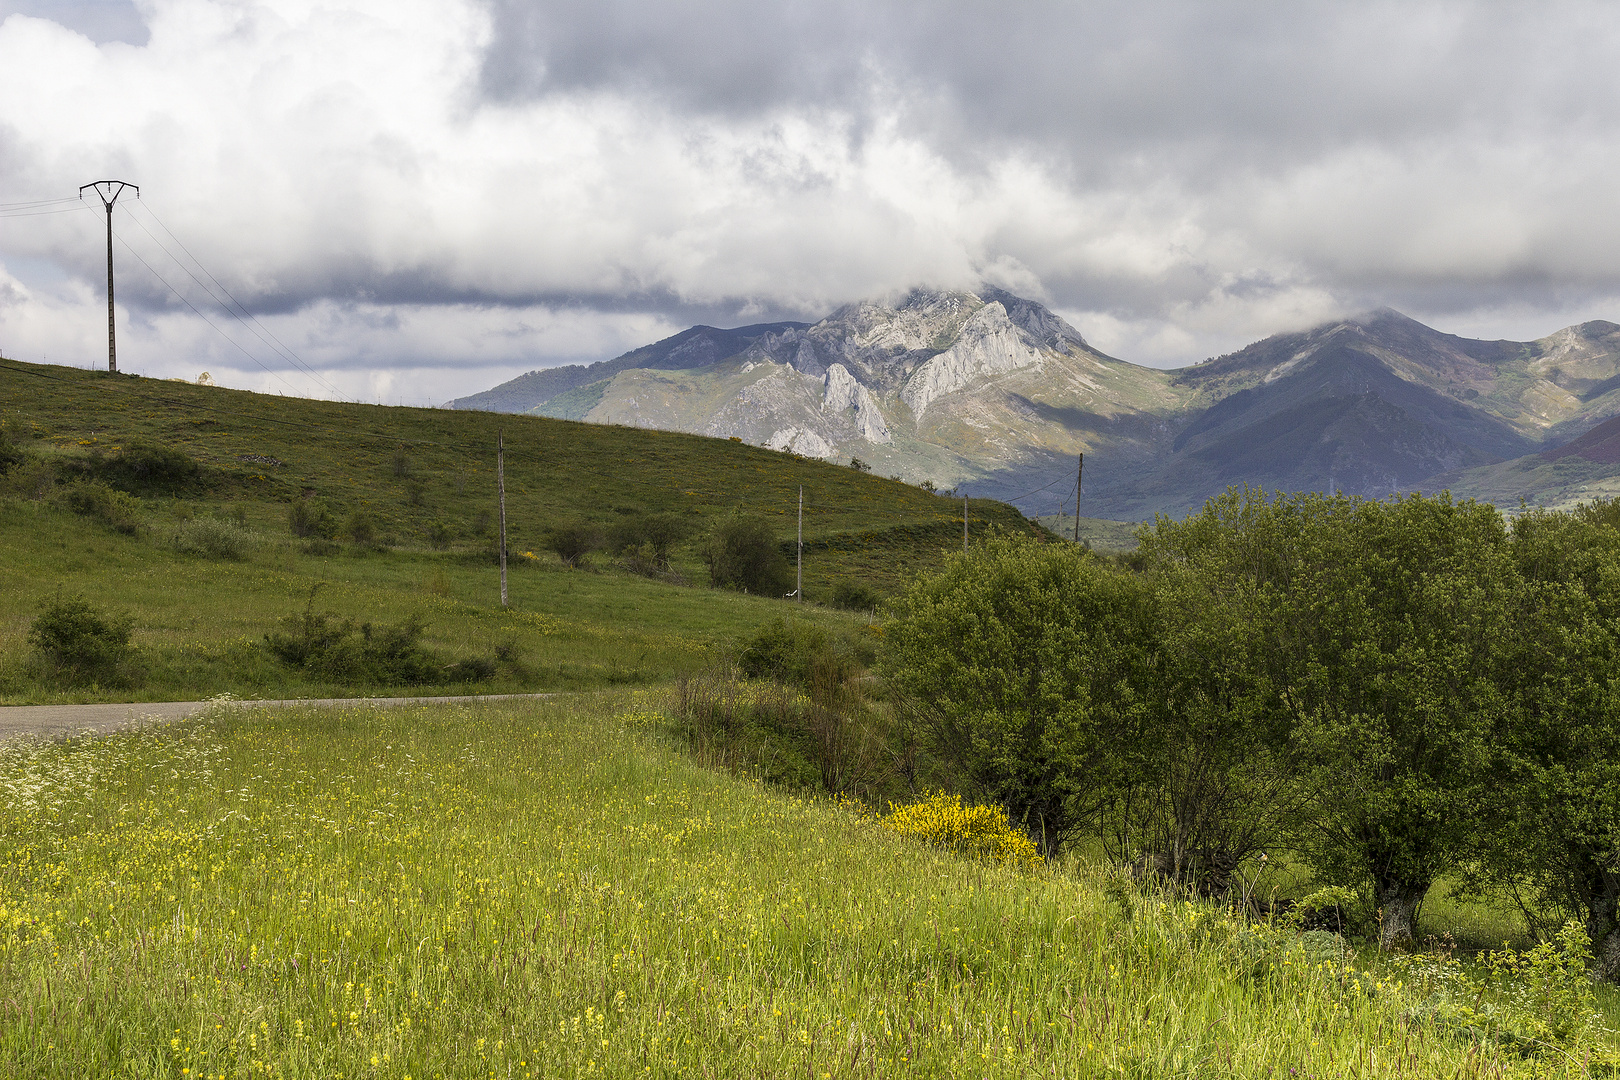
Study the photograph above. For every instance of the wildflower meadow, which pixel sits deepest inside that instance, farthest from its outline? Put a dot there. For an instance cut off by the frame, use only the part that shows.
(554, 889)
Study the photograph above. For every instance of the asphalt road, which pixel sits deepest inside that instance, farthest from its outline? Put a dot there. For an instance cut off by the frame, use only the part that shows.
(51, 720)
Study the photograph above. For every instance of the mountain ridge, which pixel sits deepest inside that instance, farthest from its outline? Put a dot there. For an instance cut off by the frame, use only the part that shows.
(993, 394)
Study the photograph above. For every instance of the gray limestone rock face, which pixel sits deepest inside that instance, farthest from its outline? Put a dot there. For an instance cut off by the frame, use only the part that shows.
(844, 394)
(800, 441)
(989, 344)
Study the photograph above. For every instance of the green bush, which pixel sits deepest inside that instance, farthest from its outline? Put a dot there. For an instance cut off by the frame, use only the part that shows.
(148, 468)
(215, 538)
(84, 644)
(361, 528)
(572, 540)
(342, 651)
(649, 537)
(308, 519)
(855, 596)
(743, 554)
(11, 455)
(97, 501)
(784, 651)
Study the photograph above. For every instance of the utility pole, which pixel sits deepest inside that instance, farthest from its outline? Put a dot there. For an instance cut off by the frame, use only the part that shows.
(1079, 473)
(799, 589)
(500, 482)
(108, 191)
(964, 525)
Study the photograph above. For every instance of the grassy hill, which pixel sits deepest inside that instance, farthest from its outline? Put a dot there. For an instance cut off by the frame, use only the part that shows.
(422, 483)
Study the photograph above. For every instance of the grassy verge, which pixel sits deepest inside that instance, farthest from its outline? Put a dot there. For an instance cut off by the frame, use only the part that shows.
(549, 890)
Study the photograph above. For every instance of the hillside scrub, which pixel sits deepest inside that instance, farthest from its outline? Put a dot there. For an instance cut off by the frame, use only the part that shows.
(83, 644)
(215, 538)
(105, 505)
(1392, 691)
(572, 541)
(145, 467)
(546, 889)
(743, 554)
(650, 537)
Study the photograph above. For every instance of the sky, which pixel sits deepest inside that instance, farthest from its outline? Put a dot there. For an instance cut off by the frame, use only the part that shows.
(406, 201)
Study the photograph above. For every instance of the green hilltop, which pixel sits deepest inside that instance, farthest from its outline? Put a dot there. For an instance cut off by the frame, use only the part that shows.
(422, 483)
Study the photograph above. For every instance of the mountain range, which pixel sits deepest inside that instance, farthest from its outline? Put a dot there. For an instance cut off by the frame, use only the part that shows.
(995, 395)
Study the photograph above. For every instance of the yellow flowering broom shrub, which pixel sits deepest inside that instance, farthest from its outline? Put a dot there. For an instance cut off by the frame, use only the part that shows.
(982, 832)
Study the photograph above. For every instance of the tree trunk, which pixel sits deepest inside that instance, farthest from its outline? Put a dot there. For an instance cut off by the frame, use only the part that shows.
(1603, 928)
(1398, 902)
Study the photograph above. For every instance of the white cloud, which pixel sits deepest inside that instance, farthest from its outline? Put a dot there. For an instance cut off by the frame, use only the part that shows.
(1179, 179)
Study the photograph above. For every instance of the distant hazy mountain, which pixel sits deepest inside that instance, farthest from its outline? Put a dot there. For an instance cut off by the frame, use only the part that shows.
(994, 393)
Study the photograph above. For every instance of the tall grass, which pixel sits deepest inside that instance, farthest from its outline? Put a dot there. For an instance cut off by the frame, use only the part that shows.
(549, 890)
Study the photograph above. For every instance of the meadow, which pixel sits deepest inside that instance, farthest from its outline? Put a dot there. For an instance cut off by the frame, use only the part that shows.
(556, 889)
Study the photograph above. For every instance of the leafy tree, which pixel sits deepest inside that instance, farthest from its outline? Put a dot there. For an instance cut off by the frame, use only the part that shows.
(1022, 661)
(1211, 778)
(743, 554)
(1554, 843)
(1385, 631)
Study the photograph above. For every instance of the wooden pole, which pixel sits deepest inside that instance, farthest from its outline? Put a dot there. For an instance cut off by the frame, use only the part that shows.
(799, 589)
(964, 525)
(1080, 472)
(500, 481)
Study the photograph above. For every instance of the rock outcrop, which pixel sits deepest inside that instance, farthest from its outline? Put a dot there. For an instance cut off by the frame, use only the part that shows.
(988, 344)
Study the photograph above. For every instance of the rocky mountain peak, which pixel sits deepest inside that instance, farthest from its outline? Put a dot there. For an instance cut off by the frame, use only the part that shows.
(956, 335)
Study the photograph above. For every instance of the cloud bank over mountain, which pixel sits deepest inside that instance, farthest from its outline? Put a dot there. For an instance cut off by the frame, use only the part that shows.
(417, 198)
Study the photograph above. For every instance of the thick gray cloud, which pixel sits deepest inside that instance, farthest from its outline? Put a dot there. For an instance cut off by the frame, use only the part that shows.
(451, 189)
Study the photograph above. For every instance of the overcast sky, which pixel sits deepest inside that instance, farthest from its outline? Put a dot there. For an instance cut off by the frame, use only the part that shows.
(416, 199)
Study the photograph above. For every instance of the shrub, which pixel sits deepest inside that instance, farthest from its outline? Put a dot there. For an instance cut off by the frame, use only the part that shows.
(855, 596)
(783, 650)
(650, 537)
(644, 560)
(472, 669)
(215, 538)
(11, 454)
(341, 651)
(743, 554)
(572, 540)
(401, 463)
(980, 832)
(97, 501)
(308, 519)
(361, 528)
(439, 534)
(149, 468)
(83, 643)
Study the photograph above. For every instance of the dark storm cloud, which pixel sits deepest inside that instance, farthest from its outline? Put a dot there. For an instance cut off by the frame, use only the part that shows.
(1256, 82)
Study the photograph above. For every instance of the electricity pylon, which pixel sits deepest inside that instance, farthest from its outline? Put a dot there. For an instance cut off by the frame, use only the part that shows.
(102, 188)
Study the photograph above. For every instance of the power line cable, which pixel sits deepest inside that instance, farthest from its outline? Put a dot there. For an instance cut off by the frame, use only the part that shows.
(203, 317)
(37, 213)
(259, 329)
(37, 202)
